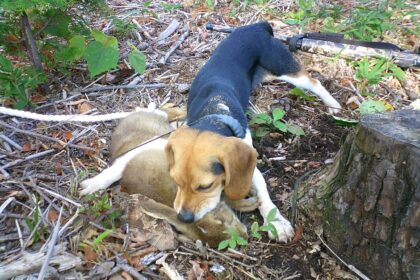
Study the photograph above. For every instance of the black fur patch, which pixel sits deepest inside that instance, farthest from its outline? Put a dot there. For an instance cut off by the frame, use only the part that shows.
(217, 168)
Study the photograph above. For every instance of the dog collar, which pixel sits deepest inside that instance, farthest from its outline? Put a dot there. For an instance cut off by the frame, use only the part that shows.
(232, 123)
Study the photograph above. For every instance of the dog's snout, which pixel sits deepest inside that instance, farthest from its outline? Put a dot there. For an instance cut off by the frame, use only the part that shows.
(186, 216)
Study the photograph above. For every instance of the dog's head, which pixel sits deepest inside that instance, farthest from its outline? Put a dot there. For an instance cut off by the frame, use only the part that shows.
(203, 164)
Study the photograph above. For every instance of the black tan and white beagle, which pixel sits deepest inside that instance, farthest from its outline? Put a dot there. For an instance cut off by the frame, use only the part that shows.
(213, 154)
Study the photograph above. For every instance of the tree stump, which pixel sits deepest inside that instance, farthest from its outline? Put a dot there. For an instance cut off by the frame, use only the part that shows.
(368, 201)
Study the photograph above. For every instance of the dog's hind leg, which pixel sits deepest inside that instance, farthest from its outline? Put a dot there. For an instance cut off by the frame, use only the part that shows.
(277, 60)
(303, 80)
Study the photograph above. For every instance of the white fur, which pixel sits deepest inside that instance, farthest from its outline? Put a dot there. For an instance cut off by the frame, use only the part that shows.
(114, 173)
(284, 229)
(304, 82)
(223, 107)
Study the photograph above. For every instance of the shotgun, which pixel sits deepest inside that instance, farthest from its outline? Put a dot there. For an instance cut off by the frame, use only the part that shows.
(331, 44)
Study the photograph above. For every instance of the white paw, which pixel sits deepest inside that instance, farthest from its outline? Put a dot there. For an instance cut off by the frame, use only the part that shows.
(91, 185)
(334, 107)
(285, 231)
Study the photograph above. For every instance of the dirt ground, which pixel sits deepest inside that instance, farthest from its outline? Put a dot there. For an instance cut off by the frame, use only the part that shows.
(40, 186)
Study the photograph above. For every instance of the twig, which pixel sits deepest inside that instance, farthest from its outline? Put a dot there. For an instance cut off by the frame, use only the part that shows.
(69, 222)
(172, 27)
(349, 266)
(19, 161)
(170, 272)
(242, 255)
(46, 137)
(152, 86)
(59, 196)
(6, 203)
(50, 252)
(124, 266)
(11, 142)
(175, 46)
(19, 233)
(220, 255)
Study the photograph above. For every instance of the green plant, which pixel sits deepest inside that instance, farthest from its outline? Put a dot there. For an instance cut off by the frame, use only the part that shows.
(33, 222)
(268, 227)
(15, 82)
(373, 106)
(265, 123)
(97, 205)
(169, 7)
(98, 240)
(301, 94)
(372, 71)
(234, 240)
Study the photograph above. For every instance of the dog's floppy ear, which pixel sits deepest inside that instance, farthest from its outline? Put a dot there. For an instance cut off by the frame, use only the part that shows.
(169, 152)
(239, 161)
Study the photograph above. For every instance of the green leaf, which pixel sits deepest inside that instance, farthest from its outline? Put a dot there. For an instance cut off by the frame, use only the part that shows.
(280, 126)
(59, 23)
(98, 240)
(271, 215)
(232, 243)
(5, 64)
(345, 122)
(261, 119)
(294, 129)
(100, 58)
(272, 229)
(372, 106)
(278, 114)
(138, 61)
(301, 94)
(74, 51)
(255, 230)
(261, 132)
(223, 245)
(107, 41)
(241, 241)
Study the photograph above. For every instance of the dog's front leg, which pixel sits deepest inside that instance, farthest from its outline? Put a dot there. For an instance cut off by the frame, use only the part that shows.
(284, 229)
(114, 173)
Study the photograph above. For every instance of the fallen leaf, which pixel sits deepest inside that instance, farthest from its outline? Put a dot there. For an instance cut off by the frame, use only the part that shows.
(26, 147)
(68, 135)
(84, 107)
(52, 215)
(58, 168)
(298, 233)
(314, 164)
(90, 255)
(196, 272)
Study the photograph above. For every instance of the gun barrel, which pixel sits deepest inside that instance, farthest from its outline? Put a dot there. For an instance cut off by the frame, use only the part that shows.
(402, 59)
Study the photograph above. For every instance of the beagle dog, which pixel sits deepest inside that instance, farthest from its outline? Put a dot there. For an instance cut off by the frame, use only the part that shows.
(146, 178)
(213, 154)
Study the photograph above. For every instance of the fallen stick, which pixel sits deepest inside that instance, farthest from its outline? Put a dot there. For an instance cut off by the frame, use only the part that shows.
(62, 143)
(32, 262)
(172, 27)
(174, 47)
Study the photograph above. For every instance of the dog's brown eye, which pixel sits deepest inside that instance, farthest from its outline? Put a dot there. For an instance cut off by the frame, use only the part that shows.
(203, 188)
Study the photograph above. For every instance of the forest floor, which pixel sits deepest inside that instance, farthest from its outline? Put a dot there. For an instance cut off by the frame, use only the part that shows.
(40, 175)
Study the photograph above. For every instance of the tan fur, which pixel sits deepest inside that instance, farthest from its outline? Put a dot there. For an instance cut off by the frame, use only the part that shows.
(190, 154)
(147, 174)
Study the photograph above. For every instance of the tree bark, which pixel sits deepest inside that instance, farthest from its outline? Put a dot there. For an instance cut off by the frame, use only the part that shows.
(368, 201)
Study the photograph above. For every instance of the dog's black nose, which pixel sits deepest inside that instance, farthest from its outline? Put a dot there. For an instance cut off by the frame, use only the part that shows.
(186, 216)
